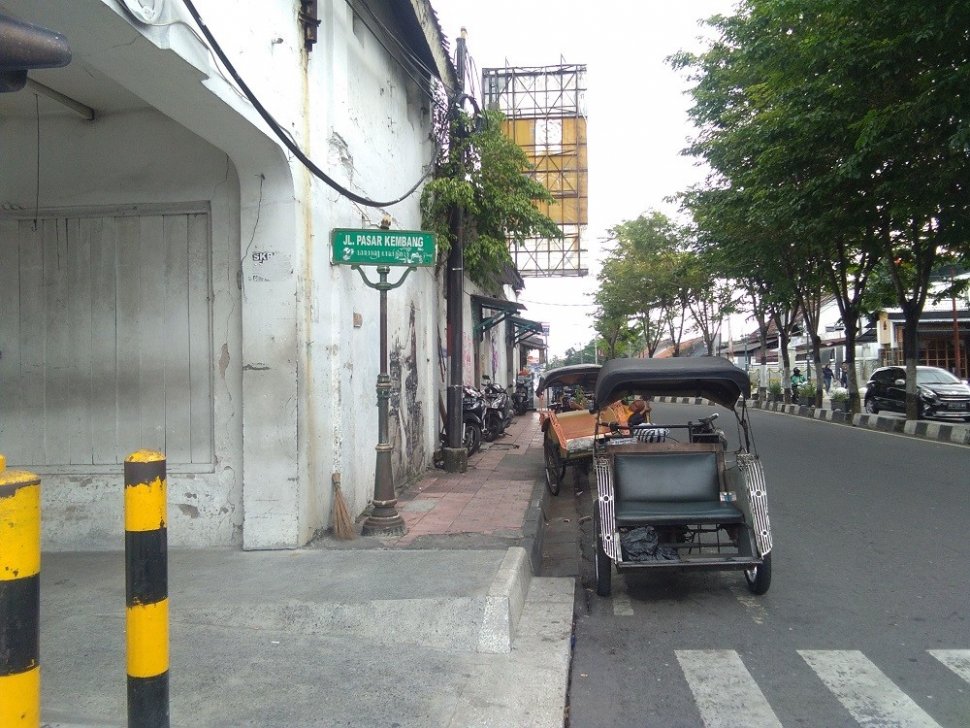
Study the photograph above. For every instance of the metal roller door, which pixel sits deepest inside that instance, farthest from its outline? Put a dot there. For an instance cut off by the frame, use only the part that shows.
(105, 338)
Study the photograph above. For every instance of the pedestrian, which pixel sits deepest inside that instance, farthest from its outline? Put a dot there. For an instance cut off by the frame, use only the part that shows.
(827, 375)
(844, 375)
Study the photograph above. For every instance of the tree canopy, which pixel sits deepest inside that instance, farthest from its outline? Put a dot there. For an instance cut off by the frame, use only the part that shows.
(838, 134)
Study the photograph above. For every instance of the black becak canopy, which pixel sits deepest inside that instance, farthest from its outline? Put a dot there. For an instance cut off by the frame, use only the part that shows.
(710, 377)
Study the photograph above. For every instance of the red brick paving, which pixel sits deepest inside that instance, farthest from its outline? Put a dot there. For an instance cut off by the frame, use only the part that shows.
(486, 499)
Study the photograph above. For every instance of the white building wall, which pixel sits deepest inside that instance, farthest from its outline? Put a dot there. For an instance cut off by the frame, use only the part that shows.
(105, 166)
(372, 129)
(304, 403)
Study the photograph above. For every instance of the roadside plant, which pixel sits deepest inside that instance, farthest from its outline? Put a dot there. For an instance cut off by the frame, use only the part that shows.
(839, 394)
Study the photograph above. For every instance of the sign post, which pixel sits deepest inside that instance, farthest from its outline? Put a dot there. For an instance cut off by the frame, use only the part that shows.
(383, 248)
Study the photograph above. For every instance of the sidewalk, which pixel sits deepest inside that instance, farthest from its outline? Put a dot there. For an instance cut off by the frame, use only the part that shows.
(444, 626)
(494, 502)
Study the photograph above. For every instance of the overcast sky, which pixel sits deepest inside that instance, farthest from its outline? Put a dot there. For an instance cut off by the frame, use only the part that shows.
(636, 111)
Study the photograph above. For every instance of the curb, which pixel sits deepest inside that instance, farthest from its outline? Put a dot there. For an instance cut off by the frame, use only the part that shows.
(504, 602)
(956, 434)
(533, 533)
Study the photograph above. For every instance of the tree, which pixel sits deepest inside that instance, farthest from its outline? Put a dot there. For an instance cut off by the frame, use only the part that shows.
(583, 354)
(615, 332)
(483, 171)
(709, 296)
(641, 278)
(843, 126)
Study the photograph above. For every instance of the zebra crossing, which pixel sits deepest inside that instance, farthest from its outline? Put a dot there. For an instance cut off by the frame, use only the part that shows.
(728, 696)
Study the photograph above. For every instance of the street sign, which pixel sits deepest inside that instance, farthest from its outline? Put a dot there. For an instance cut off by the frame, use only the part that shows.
(382, 247)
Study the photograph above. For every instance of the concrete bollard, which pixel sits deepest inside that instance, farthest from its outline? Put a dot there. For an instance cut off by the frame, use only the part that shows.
(146, 589)
(19, 597)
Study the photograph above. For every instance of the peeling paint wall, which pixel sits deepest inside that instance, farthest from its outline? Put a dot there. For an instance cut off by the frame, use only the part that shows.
(372, 127)
(407, 407)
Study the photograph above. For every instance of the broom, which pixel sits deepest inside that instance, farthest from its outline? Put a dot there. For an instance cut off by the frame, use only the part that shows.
(343, 524)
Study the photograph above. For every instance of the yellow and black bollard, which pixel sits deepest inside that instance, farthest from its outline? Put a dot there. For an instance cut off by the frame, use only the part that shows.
(19, 597)
(146, 582)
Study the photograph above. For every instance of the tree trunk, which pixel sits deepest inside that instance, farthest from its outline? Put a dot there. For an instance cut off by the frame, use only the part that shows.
(785, 364)
(817, 358)
(851, 326)
(911, 357)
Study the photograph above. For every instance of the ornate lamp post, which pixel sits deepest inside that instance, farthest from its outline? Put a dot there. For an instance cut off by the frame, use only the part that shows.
(384, 520)
(383, 248)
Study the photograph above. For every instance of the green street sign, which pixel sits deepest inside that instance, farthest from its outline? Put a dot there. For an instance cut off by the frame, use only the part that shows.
(382, 247)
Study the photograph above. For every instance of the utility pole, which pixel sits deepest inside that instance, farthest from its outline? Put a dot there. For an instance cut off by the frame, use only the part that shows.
(455, 457)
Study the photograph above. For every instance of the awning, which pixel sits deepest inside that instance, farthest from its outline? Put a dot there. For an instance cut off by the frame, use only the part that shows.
(503, 310)
(522, 329)
(533, 342)
(497, 304)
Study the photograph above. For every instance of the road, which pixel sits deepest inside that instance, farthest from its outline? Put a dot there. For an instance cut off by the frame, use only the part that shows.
(866, 622)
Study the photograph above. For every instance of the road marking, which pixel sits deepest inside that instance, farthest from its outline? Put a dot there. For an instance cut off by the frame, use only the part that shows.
(871, 697)
(622, 606)
(956, 660)
(751, 604)
(726, 694)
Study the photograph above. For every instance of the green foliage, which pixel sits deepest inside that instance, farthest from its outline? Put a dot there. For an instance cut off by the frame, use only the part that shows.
(618, 338)
(656, 273)
(640, 280)
(585, 354)
(838, 135)
(483, 172)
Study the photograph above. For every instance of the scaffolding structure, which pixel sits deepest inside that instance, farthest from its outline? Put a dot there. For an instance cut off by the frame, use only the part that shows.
(545, 115)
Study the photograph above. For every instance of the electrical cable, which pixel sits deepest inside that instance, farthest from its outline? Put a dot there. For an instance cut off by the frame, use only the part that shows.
(559, 305)
(409, 54)
(475, 79)
(280, 132)
(178, 21)
(37, 189)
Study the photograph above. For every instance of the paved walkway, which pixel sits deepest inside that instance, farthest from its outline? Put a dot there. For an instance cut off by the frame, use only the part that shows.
(491, 499)
(444, 627)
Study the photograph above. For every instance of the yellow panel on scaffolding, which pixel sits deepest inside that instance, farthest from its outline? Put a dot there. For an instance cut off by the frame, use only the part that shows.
(559, 167)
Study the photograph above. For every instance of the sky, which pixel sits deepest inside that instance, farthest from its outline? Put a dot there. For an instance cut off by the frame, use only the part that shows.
(637, 121)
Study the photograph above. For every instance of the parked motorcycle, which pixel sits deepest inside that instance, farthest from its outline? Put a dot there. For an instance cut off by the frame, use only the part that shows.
(520, 398)
(498, 410)
(473, 421)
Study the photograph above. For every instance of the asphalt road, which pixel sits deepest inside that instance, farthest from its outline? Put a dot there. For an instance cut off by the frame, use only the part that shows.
(866, 622)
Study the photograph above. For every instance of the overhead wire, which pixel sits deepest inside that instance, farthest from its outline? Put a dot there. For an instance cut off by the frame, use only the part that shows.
(561, 305)
(405, 49)
(281, 133)
(188, 26)
(475, 79)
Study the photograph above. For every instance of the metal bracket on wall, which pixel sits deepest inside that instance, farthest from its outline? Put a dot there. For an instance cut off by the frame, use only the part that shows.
(309, 22)
(489, 322)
